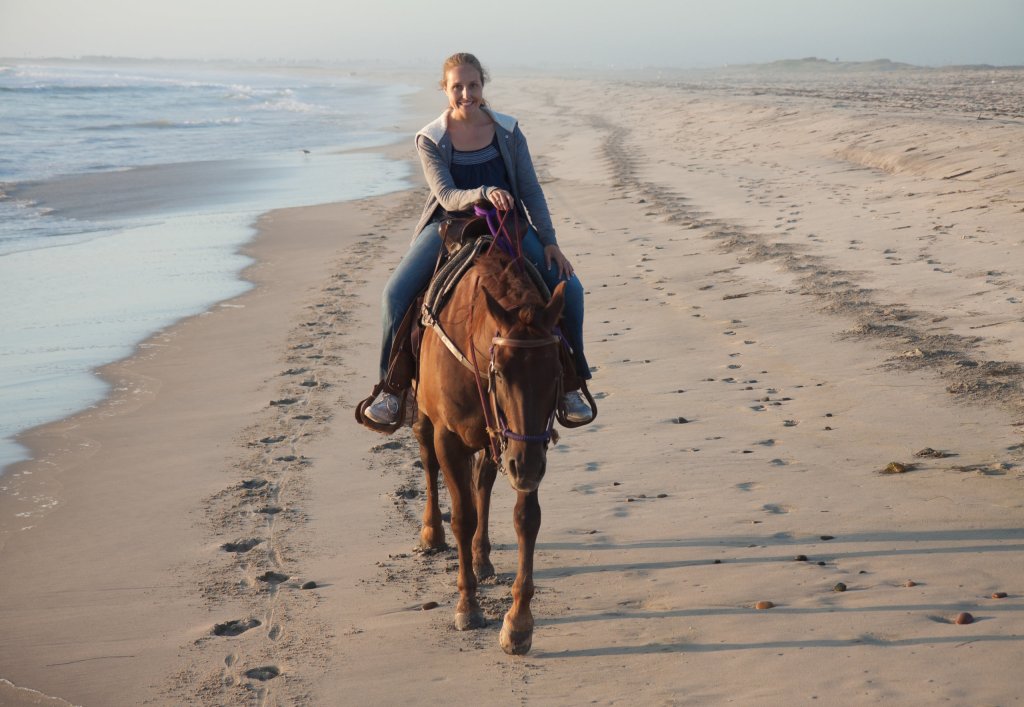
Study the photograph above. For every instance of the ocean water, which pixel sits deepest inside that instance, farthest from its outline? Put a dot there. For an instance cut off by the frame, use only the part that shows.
(127, 188)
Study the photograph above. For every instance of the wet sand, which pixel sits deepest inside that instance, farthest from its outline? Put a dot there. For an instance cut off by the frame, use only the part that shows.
(787, 291)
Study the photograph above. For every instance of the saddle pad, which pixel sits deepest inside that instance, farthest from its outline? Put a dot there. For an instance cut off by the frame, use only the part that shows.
(441, 287)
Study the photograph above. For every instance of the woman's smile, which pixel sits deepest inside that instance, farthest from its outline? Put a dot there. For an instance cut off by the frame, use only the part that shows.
(465, 89)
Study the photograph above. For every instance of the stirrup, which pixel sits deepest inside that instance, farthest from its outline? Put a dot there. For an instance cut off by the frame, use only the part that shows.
(560, 411)
(365, 421)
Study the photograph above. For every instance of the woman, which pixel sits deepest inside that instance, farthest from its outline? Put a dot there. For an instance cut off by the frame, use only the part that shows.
(470, 154)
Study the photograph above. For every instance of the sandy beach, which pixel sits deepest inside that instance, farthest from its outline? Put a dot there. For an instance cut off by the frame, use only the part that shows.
(794, 279)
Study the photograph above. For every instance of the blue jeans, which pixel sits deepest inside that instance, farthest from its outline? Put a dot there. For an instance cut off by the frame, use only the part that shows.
(417, 265)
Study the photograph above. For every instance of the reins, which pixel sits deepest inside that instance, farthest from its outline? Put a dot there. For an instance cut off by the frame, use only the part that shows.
(498, 224)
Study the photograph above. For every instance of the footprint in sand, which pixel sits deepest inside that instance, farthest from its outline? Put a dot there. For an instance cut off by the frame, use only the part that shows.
(778, 462)
(235, 627)
(241, 546)
(747, 485)
(266, 672)
(776, 509)
(271, 577)
(757, 408)
(251, 484)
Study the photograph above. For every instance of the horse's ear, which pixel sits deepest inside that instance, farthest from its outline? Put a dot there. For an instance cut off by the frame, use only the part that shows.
(553, 310)
(506, 319)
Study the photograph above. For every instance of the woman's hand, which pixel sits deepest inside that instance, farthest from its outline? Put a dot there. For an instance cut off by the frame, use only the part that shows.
(502, 199)
(553, 253)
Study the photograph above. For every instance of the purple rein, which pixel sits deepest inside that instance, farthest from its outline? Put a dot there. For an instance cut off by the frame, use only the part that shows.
(498, 225)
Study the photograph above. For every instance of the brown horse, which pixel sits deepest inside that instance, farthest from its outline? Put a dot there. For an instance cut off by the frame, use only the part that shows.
(490, 391)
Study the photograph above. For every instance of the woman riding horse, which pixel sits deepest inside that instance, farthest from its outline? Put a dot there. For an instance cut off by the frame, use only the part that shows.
(472, 154)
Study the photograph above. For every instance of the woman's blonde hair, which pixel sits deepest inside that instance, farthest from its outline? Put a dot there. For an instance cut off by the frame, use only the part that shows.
(462, 59)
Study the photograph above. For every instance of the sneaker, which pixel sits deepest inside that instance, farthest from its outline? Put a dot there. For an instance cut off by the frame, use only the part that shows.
(576, 408)
(385, 409)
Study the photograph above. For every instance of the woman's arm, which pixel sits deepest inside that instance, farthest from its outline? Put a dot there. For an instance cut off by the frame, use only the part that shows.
(439, 179)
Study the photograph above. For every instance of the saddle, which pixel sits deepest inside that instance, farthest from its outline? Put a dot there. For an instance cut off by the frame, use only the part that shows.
(464, 238)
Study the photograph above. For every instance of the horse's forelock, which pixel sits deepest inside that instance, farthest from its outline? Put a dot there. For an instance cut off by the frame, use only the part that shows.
(528, 314)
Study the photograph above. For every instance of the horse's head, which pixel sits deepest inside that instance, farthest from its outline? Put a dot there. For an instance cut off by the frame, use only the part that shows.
(525, 372)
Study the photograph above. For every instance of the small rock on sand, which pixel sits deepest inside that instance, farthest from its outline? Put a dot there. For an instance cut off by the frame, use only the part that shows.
(999, 595)
(763, 605)
(963, 618)
(309, 585)
(930, 453)
(840, 587)
(897, 468)
(910, 583)
(427, 606)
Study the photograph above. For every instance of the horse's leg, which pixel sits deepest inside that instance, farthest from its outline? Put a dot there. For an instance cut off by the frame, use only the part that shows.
(484, 473)
(432, 532)
(517, 630)
(456, 463)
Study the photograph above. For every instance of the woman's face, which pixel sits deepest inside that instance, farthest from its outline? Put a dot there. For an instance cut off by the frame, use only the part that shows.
(465, 90)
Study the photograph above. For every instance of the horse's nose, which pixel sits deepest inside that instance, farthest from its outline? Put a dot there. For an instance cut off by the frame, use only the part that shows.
(523, 476)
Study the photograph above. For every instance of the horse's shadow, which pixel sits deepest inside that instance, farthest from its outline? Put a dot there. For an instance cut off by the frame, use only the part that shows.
(828, 550)
(683, 647)
(823, 549)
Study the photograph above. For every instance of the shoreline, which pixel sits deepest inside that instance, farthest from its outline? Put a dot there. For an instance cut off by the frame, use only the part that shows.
(74, 457)
(135, 250)
(774, 318)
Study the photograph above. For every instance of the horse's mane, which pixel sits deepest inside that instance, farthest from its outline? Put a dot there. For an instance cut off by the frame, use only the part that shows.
(507, 281)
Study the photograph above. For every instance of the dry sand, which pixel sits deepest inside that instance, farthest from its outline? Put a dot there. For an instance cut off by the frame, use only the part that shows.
(792, 282)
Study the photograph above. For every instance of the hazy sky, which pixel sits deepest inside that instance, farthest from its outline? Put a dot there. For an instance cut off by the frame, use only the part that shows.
(591, 33)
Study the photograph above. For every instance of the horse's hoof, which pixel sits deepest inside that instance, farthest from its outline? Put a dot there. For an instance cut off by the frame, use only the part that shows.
(483, 570)
(431, 539)
(515, 642)
(469, 620)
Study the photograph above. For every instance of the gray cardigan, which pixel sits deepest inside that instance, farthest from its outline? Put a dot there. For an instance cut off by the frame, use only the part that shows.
(434, 145)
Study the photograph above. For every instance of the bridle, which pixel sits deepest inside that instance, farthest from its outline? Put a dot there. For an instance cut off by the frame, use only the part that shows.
(495, 421)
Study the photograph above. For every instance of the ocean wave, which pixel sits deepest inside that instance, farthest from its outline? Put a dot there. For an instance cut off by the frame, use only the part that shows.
(292, 105)
(247, 93)
(164, 124)
(85, 81)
